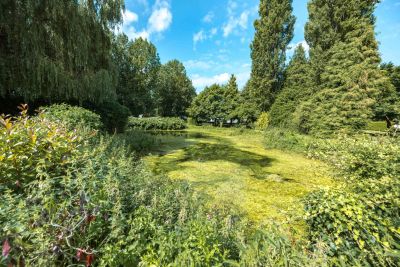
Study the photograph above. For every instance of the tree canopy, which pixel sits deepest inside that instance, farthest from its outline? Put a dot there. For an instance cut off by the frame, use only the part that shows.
(175, 91)
(274, 32)
(57, 50)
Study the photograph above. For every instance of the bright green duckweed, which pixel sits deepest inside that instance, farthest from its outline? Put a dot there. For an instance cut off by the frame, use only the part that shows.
(233, 167)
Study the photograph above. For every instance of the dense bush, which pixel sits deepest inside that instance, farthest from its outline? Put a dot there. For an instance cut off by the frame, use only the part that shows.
(359, 221)
(262, 122)
(156, 123)
(114, 116)
(32, 149)
(287, 140)
(103, 208)
(74, 117)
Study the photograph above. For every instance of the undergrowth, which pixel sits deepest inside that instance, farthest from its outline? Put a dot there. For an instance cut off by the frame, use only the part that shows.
(75, 197)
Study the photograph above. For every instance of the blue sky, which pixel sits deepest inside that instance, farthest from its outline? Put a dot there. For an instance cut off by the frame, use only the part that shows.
(212, 38)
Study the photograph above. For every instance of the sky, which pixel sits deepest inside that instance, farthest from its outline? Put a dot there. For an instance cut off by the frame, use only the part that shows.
(212, 38)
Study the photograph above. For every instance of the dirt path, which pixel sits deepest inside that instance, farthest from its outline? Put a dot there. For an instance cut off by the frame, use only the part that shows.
(234, 167)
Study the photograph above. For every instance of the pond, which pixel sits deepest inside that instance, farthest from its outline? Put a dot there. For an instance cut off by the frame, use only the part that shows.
(232, 167)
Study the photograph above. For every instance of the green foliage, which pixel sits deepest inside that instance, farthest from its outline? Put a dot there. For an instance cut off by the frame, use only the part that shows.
(350, 87)
(274, 32)
(223, 104)
(353, 85)
(156, 123)
(138, 66)
(297, 88)
(73, 117)
(57, 50)
(263, 121)
(175, 91)
(393, 73)
(287, 140)
(114, 116)
(105, 209)
(360, 157)
(359, 223)
(208, 105)
(33, 149)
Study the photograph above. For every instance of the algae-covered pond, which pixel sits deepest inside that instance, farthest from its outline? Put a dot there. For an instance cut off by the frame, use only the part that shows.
(233, 167)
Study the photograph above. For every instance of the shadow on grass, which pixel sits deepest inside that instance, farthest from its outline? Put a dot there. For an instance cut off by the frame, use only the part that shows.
(210, 148)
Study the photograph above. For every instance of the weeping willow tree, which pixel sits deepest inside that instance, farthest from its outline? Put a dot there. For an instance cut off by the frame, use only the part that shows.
(57, 50)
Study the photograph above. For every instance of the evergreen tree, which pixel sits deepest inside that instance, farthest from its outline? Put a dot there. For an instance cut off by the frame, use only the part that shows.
(352, 82)
(175, 91)
(57, 50)
(393, 72)
(329, 23)
(274, 31)
(296, 89)
(231, 99)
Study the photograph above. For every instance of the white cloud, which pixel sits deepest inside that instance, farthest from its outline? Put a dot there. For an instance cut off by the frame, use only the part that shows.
(236, 22)
(203, 81)
(303, 43)
(160, 20)
(242, 78)
(199, 36)
(209, 17)
(198, 64)
(129, 17)
(203, 35)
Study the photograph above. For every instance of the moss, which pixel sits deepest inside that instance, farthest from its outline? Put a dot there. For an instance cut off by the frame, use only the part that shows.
(234, 167)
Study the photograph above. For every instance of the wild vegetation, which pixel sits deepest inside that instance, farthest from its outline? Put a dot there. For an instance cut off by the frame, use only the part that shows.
(299, 168)
(156, 123)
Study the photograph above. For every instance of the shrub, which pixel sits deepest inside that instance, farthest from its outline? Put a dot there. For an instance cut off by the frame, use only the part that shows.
(156, 123)
(358, 223)
(33, 149)
(262, 122)
(74, 117)
(114, 116)
(287, 140)
(360, 157)
(105, 209)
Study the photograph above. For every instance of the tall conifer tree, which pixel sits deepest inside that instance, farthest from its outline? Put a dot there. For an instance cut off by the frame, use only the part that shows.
(295, 90)
(352, 85)
(274, 31)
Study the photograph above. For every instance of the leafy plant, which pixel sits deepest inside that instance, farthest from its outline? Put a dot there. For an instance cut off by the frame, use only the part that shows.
(73, 117)
(156, 123)
(34, 149)
(262, 122)
(358, 223)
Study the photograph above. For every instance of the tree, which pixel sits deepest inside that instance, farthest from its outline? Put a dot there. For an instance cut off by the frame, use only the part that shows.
(208, 105)
(393, 72)
(297, 88)
(329, 23)
(175, 91)
(274, 31)
(138, 65)
(231, 99)
(57, 50)
(353, 83)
